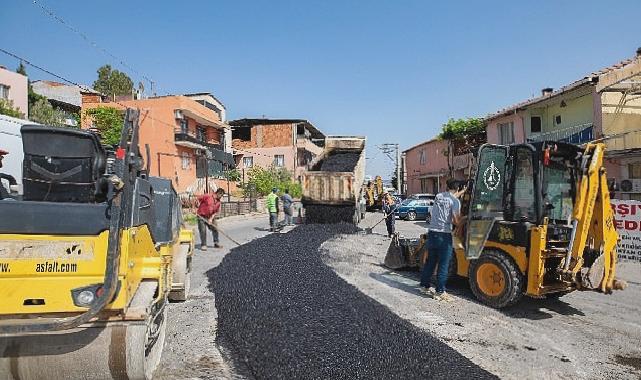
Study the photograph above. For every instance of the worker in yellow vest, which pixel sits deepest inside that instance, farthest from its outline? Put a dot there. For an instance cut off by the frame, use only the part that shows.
(272, 208)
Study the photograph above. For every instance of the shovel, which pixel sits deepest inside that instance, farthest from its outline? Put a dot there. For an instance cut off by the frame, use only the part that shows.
(369, 230)
(219, 230)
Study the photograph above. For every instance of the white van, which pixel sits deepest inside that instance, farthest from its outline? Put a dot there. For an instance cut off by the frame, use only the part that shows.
(11, 141)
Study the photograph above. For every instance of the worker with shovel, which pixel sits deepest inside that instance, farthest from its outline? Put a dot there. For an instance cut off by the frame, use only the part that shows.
(389, 208)
(208, 207)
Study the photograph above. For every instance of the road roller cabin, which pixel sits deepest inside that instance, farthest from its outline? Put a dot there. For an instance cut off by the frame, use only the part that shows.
(89, 257)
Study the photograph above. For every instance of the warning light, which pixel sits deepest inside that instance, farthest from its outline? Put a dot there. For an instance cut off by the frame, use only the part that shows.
(120, 153)
(546, 157)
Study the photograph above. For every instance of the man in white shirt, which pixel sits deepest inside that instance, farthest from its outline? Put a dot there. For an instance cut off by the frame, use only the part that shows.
(445, 212)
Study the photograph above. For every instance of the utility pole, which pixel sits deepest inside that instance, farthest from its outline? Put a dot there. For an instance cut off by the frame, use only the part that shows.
(390, 149)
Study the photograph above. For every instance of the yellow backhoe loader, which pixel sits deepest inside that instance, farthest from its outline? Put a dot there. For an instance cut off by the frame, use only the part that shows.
(538, 223)
(374, 194)
(90, 256)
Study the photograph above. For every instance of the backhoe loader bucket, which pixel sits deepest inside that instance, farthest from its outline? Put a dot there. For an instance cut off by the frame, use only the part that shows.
(403, 252)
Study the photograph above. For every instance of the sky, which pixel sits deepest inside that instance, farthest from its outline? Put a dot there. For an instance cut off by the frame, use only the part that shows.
(394, 71)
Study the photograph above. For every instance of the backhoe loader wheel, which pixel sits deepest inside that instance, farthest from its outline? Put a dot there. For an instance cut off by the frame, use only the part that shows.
(495, 279)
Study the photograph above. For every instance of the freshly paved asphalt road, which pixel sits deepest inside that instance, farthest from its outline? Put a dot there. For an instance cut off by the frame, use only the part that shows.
(191, 351)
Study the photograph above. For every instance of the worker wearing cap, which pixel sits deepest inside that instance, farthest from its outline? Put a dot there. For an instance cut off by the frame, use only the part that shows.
(208, 206)
(272, 208)
(4, 194)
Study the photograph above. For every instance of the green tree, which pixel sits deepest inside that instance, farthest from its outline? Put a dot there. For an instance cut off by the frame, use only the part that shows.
(44, 113)
(109, 121)
(232, 175)
(21, 69)
(461, 128)
(7, 108)
(113, 82)
(393, 179)
(263, 180)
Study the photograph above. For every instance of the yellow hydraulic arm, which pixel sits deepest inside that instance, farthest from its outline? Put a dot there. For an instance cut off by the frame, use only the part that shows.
(592, 227)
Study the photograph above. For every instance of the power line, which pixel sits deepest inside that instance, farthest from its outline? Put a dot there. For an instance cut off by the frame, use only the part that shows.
(84, 88)
(24, 60)
(49, 12)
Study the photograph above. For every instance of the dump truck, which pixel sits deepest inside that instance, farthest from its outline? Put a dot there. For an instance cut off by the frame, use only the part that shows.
(333, 187)
(90, 255)
(538, 223)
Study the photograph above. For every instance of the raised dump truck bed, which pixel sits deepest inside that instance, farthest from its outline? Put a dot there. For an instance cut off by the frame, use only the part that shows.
(332, 187)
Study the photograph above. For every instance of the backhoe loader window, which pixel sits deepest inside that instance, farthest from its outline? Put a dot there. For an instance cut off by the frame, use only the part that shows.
(523, 195)
(557, 187)
(488, 190)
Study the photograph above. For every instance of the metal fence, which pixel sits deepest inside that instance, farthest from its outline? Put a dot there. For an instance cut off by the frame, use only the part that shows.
(237, 208)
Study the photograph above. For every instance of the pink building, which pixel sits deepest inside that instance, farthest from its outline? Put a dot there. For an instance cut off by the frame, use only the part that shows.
(506, 127)
(13, 87)
(426, 167)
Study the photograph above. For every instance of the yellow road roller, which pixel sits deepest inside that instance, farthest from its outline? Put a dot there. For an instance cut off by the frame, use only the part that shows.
(90, 254)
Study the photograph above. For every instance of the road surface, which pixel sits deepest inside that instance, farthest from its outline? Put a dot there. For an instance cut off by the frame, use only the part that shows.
(190, 350)
(583, 335)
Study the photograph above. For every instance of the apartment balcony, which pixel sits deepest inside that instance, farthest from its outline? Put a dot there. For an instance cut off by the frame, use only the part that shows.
(578, 134)
(191, 140)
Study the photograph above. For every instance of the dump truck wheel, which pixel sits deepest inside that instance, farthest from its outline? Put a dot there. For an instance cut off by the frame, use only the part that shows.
(181, 275)
(411, 216)
(495, 279)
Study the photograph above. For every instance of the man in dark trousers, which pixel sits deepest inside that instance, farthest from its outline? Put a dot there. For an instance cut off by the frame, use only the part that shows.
(389, 208)
(287, 207)
(208, 207)
(445, 212)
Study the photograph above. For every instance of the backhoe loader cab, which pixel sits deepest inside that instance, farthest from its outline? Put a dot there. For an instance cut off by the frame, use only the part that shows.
(518, 187)
(88, 259)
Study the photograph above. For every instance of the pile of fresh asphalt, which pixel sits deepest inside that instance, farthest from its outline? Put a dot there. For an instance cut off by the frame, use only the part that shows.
(339, 162)
(283, 314)
(322, 214)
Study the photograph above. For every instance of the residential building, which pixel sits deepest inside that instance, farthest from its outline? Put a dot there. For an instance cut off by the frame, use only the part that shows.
(61, 96)
(185, 138)
(602, 105)
(210, 101)
(14, 87)
(426, 167)
(283, 143)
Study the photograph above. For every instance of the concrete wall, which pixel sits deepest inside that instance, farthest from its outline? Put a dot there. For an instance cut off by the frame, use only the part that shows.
(435, 165)
(18, 89)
